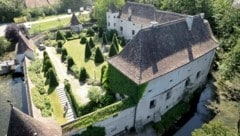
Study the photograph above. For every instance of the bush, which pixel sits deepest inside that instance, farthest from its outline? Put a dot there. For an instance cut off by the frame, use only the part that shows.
(64, 54)
(59, 36)
(70, 62)
(100, 32)
(113, 51)
(95, 27)
(91, 43)
(90, 32)
(98, 56)
(88, 52)
(68, 34)
(123, 42)
(95, 94)
(75, 71)
(59, 47)
(92, 131)
(115, 42)
(111, 33)
(104, 39)
(103, 69)
(46, 66)
(83, 75)
(53, 82)
(83, 40)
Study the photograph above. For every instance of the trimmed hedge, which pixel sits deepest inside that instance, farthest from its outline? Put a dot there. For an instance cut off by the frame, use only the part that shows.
(59, 36)
(90, 32)
(83, 75)
(113, 51)
(104, 40)
(70, 62)
(83, 40)
(98, 56)
(88, 52)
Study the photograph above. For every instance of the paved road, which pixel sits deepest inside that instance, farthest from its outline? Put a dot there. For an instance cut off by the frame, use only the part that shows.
(3, 26)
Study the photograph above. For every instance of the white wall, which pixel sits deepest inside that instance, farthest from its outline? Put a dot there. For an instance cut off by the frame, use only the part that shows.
(118, 123)
(174, 82)
(127, 26)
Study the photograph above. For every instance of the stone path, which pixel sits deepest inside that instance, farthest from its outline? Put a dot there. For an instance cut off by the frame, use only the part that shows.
(70, 115)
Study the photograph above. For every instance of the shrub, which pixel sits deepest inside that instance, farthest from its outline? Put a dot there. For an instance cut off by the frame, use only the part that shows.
(83, 40)
(92, 131)
(123, 42)
(91, 43)
(103, 69)
(104, 39)
(46, 66)
(90, 32)
(68, 34)
(75, 71)
(88, 52)
(98, 56)
(110, 34)
(60, 36)
(83, 75)
(95, 94)
(64, 54)
(59, 47)
(53, 82)
(115, 42)
(95, 27)
(113, 51)
(100, 32)
(70, 62)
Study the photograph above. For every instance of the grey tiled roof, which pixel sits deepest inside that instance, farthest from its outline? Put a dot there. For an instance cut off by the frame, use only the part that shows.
(144, 14)
(21, 124)
(74, 20)
(112, 8)
(157, 50)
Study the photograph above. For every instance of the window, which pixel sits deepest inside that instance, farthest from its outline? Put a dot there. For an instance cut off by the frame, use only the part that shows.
(133, 32)
(114, 24)
(187, 82)
(171, 80)
(121, 28)
(152, 104)
(149, 91)
(114, 17)
(198, 74)
(108, 23)
(168, 95)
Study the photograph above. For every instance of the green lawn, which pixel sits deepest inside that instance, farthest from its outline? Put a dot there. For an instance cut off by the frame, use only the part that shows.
(57, 108)
(77, 51)
(40, 27)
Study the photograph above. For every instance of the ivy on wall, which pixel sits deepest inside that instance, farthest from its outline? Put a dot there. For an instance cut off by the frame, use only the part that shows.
(115, 81)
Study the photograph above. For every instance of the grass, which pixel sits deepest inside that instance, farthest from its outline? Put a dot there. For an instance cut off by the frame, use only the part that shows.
(40, 27)
(77, 52)
(57, 108)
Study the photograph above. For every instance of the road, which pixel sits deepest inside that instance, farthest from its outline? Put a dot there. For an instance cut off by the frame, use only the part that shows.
(3, 26)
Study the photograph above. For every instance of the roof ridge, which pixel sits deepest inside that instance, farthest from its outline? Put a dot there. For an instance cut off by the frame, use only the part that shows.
(142, 4)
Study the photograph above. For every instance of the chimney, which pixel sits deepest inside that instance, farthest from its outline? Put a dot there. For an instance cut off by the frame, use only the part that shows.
(202, 15)
(189, 21)
(129, 13)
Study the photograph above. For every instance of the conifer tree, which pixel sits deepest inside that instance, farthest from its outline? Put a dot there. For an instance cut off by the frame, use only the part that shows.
(91, 43)
(104, 39)
(88, 52)
(83, 74)
(98, 56)
(53, 82)
(59, 36)
(115, 42)
(113, 51)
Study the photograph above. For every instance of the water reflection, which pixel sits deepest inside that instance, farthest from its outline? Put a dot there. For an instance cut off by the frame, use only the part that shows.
(13, 90)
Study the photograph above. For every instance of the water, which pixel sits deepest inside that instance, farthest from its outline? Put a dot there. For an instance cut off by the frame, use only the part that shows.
(13, 90)
(201, 116)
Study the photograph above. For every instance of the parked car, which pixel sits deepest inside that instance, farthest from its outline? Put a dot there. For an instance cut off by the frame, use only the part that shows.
(41, 47)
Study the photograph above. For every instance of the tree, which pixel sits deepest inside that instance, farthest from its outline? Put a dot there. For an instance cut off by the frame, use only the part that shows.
(95, 94)
(100, 32)
(53, 82)
(4, 45)
(12, 33)
(104, 39)
(213, 129)
(88, 52)
(64, 54)
(83, 75)
(60, 36)
(91, 43)
(59, 47)
(47, 66)
(110, 34)
(90, 32)
(113, 51)
(98, 56)
(70, 62)
(115, 42)
(68, 34)
(83, 40)
(123, 42)
(101, 7)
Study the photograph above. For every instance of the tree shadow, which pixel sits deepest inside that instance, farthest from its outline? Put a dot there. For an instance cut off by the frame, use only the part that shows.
(51, 89)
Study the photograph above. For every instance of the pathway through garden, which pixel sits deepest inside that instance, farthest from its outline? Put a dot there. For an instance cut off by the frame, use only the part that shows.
(80, 90)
